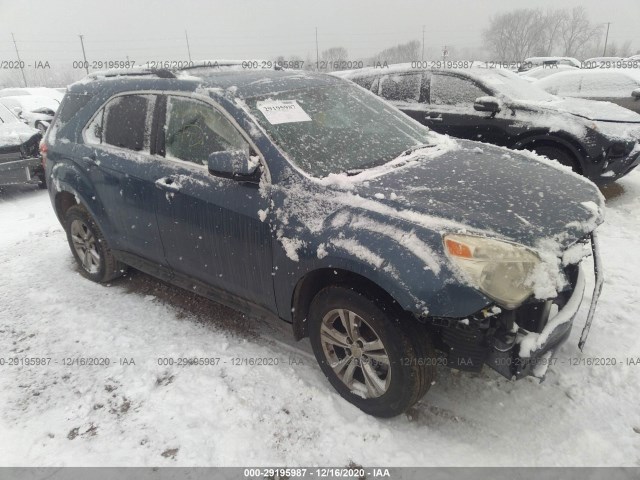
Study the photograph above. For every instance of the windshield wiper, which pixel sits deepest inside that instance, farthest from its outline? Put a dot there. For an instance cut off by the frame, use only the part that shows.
(355, 171)
(410, 150)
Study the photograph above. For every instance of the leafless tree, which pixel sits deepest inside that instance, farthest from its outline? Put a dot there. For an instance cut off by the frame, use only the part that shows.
(516, 35)
(333, 56)
(577, 32)
(527, 32)
(405, 52)
(615, 50)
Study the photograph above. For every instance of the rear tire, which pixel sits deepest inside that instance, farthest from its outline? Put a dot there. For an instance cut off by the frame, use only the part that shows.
(89, 247)
(375, 357)
(559, 155)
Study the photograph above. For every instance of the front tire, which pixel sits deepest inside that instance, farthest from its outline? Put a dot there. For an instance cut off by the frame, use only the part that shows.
(89, 247)
(375, 357)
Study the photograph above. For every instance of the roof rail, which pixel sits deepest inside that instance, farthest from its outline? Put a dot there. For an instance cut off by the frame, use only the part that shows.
(223, 64)
(131, 72)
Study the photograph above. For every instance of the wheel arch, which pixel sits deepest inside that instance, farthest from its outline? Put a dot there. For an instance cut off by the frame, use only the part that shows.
(529, 140)
(314, 281)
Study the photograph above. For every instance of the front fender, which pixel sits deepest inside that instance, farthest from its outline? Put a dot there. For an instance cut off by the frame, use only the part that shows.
(403, 262)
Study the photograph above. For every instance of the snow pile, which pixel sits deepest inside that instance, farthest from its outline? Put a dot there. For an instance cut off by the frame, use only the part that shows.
(163, 415)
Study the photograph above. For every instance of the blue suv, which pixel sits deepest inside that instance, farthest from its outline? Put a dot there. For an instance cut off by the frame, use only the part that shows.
(306, 198)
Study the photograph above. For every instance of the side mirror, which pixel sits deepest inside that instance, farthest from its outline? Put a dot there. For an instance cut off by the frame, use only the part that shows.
(487, 104)
(17, 111)
(636, 94)
(235, 164)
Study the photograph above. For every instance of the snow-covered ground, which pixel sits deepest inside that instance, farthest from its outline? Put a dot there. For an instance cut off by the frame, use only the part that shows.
(286, 414)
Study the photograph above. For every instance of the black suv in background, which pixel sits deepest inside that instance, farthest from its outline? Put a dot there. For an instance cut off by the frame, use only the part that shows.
(302, 197)
(596, 139)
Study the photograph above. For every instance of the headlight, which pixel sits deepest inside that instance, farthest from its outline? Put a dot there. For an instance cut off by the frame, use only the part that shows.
(501, 270)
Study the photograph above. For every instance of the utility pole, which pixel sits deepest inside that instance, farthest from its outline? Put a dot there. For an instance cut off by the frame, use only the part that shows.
(24, 79)
(604, 53)
(317, 57)
(423, 43)
(86, 64)
(188, 47)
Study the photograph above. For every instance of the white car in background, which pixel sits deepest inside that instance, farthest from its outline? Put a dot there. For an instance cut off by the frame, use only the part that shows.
(604, 62)
(35, 111)
(619, 86)
(55, 93)
(544, 71)
(533, 62)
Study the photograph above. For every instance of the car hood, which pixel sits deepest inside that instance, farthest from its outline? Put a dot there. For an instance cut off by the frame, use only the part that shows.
(494, 191)
(15, 134)
(592, 110)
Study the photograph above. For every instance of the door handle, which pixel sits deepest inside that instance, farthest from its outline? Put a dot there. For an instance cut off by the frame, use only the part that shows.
(168, 183)
(433, 117)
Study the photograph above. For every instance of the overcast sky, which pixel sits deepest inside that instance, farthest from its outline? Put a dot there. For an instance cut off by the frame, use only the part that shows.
(154, 30)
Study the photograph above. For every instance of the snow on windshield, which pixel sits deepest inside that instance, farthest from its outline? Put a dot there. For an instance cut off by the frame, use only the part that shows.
(334, 130)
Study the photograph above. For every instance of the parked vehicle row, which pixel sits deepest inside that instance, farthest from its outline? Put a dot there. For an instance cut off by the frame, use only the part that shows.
(619, 86)
(306, 198)
(596, 139)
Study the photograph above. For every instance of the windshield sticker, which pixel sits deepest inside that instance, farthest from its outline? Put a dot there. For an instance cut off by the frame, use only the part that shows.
(282, 111)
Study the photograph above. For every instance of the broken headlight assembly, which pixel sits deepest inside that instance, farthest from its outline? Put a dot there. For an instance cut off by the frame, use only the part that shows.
(501, 270)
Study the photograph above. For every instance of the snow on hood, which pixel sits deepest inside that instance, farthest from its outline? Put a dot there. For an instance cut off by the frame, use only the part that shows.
(14, 134)
(592, 110)
(474, 188)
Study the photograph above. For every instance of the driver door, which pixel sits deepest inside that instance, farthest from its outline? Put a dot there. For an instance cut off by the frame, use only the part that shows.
(451, 110)
(209, 225)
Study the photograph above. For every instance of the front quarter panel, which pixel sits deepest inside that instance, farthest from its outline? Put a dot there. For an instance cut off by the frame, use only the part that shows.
(316, 227)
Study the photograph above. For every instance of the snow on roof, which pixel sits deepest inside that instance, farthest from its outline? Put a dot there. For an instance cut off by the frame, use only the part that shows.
(542, 60)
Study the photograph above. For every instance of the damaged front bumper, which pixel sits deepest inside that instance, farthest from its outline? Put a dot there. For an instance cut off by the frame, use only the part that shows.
(521, 342)
(616, 168)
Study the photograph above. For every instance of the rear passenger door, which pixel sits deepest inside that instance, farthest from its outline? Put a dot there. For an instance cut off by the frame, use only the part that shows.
(210, 226)
(119, 159)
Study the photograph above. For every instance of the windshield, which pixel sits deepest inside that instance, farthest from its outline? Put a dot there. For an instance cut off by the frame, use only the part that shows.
(512, 86)
(333, 129)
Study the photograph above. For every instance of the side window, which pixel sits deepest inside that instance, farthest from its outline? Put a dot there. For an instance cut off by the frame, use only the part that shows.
(124, 122)
(451, 90)
(401, 87)
(195, 129)
(365, 82)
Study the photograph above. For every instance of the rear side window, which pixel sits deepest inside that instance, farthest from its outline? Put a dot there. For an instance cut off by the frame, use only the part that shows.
(71, 104)
(195, 129)
(124, 122)
(365, 82)
(401, 88)
(450, 90)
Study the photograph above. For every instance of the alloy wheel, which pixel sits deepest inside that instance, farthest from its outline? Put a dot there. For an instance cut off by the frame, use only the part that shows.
(84, 243)
(355, 353)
